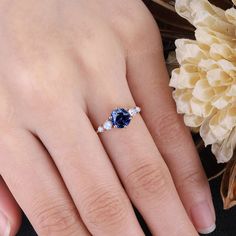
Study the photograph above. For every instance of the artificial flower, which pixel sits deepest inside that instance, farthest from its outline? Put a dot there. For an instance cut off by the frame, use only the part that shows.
(205, 82)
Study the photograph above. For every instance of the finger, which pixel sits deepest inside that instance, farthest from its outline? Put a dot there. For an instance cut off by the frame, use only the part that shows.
(140, 167)
(170, 134)
(37, 186)
(88, 173)
(10, 212)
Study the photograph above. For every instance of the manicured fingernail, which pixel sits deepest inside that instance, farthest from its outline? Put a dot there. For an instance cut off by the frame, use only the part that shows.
(203, 218)
(4, 225)
(208, 230)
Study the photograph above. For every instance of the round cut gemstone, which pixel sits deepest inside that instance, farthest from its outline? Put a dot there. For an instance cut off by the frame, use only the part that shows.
(120, 118)
(100, 129)
(107, 125)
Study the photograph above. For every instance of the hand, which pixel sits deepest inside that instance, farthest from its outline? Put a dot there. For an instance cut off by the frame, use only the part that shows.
(64, 66)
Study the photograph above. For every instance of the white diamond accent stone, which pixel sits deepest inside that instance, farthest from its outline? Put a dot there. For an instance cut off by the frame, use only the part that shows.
(134, 111)
(100, 129)
(107, 125)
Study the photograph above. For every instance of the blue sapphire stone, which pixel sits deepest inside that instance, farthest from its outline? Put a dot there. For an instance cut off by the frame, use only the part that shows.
(120, 118)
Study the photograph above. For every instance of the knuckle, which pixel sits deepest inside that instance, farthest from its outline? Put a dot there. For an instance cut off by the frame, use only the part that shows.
(58, 217)
(42, 94)
(8, 111)
(148, 180)
(40, 90)
(34, 93)
(140, 24)
(190, 180)
(169, 126)
(104, 208)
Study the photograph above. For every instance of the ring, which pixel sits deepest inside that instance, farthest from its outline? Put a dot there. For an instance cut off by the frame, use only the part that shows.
(119, 118)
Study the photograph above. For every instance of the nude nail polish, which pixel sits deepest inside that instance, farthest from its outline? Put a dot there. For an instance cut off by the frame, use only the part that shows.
(203, 218)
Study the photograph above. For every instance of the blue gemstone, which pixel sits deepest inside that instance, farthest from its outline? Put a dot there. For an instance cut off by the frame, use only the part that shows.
(120, 118)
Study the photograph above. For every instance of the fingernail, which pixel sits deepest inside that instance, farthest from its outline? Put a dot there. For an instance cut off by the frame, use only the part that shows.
(203, 218)
(4, 225)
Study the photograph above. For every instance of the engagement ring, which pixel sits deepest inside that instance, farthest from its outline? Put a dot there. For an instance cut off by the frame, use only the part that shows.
(119, 118)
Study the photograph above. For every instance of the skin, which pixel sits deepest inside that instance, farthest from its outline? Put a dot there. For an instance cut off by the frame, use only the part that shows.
(64, 65)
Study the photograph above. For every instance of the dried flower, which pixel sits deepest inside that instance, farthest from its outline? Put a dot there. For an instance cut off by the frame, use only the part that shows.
(205, 83)
(228, 185)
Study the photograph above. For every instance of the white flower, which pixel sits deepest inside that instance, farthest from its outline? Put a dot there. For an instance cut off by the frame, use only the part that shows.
(205, 83)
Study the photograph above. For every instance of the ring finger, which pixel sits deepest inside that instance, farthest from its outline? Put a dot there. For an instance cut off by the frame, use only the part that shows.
(140, 167)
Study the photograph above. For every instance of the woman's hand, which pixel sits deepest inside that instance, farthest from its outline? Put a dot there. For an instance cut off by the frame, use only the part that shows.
(64, 66)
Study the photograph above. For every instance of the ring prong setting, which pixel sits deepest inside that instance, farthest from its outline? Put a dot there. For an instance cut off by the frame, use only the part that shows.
(120, 118)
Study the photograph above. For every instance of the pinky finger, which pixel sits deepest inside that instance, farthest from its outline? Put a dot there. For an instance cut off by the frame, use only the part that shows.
(10, 213)
(170, 134)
